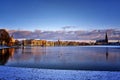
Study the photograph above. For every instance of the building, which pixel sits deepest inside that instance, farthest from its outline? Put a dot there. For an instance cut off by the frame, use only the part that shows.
(103, 41)
(33, 42)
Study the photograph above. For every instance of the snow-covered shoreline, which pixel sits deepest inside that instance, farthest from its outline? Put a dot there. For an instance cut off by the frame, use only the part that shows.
(104, 46)
(14, 73)
(2, 47)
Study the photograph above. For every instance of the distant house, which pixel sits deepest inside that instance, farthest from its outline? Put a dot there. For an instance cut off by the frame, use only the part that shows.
(103, 41)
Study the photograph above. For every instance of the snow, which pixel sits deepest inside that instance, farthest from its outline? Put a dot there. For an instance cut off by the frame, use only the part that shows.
(103, 46)
(14, 73)
(2, 47)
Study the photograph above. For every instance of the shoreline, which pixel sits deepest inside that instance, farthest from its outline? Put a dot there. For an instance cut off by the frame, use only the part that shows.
(116, 46)
(4, 47)
(15, 73)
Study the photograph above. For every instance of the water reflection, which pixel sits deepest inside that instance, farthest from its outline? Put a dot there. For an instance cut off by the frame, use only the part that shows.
(107, 54)
(88, 58)
(5, 54)
(28, 54)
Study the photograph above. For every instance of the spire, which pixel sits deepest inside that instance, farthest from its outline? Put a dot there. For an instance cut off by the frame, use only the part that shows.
(106, 38)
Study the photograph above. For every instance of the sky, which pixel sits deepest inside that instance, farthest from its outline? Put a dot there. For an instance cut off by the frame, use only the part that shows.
(48, 15)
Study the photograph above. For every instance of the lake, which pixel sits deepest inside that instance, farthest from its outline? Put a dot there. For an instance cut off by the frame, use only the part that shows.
(69, 58)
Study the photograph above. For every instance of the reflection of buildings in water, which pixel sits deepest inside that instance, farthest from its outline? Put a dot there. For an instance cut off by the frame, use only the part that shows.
(107, 54)
(112, 55)
(23, 49)
(38, 53)
(5, 54)
(33, 53)
(62, 56)
(11, 52)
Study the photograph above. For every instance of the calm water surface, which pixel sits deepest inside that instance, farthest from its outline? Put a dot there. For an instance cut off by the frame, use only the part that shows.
(74, 58)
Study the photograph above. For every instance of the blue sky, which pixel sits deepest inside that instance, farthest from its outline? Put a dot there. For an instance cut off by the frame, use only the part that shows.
(55, 14)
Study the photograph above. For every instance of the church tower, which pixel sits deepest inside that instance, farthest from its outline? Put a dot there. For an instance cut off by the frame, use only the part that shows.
(106, 38)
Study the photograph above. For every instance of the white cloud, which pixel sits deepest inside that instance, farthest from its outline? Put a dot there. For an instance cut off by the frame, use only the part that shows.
(68, 35)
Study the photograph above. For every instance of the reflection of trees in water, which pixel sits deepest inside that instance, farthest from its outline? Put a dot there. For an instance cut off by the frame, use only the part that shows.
(5, 54)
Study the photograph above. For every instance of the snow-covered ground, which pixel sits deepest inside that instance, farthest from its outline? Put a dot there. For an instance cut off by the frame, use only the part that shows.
(13, 73)
(1, 47)
(109, 46)
(104, 46)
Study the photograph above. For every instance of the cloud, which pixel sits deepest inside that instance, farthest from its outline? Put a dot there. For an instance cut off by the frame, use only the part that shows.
(113, 34)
